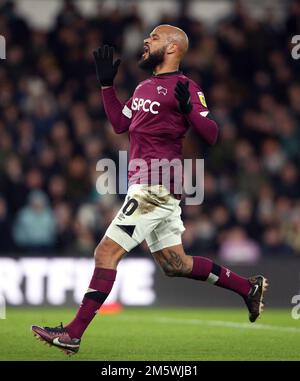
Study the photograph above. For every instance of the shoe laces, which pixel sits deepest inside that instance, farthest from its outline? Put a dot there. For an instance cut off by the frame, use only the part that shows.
(56, 329)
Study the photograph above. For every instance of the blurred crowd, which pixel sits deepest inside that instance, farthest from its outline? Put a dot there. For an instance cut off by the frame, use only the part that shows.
(53, 130)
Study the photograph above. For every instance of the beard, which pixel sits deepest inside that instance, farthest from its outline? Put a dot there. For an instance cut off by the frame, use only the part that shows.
(154, 59)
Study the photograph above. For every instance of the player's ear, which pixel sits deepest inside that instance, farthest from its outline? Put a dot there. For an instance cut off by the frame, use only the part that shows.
(171, 48)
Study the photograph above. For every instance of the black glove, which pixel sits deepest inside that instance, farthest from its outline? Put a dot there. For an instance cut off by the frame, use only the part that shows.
(183, 95)
(106, 70)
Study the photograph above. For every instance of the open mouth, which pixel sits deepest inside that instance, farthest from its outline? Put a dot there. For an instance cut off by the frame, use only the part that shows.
(146, 51)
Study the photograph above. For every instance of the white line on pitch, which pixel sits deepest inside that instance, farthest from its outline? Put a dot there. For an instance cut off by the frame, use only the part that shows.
(212, 323)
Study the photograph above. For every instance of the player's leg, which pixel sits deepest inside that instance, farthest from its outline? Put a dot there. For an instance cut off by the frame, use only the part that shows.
(107, 256)
(165, 245)
(142, 211)
(175, 263)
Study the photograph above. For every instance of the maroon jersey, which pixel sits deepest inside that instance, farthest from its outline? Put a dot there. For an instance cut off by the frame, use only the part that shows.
(155, 125)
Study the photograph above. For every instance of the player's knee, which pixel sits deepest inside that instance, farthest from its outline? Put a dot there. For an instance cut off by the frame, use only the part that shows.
(107, 254)
(101, 254)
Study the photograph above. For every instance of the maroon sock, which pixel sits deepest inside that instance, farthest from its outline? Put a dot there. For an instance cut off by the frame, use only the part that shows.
(99, 289)
(206, 270)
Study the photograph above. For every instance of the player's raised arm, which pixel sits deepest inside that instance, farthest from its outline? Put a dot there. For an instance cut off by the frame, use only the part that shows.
(194, 108)
(118, 114)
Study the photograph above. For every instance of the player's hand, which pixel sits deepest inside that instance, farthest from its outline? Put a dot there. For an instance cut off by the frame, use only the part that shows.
(183, 96)
(106, 69)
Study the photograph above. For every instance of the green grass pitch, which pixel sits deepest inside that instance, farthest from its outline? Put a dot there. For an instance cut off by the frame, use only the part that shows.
(158, 334)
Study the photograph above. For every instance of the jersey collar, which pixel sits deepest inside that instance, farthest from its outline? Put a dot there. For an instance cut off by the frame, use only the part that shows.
(169, 73)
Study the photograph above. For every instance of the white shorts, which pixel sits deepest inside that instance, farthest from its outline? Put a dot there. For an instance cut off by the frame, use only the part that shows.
(149, 212)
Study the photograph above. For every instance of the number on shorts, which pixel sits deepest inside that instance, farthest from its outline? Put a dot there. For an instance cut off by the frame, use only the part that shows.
(130, 207)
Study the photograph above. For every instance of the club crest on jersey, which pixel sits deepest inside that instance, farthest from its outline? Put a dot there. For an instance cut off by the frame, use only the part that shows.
(162, 90)
(202, 98)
